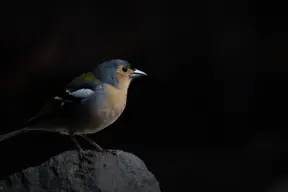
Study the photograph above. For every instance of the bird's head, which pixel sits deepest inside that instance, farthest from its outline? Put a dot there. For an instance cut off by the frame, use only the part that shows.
(117, 73)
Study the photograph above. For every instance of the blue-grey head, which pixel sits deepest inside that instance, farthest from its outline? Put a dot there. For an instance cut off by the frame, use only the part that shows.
(116, 72)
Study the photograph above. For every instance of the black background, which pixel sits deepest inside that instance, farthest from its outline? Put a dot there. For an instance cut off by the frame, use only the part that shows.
(211, 115)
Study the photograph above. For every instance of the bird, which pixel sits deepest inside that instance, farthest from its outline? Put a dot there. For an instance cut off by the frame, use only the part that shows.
(88, 104)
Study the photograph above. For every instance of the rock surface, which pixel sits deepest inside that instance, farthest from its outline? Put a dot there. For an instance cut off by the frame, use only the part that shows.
(99, 172)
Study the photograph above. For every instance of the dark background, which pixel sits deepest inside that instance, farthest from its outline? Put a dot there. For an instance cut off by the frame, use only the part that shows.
(211, 115)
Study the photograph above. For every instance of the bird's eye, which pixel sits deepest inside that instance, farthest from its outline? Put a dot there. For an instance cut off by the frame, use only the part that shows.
(124, 69)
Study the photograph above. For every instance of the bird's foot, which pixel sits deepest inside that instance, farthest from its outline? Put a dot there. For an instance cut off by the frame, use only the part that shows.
(98, 147)
(87, 159)
(112, 151)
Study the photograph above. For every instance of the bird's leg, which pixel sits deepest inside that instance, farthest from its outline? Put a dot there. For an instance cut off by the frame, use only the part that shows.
(100, 149)
(90, 162)
(80, 150)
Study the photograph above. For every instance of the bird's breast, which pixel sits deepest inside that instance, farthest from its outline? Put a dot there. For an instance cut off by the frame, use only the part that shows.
(109, 110)
(103, 117)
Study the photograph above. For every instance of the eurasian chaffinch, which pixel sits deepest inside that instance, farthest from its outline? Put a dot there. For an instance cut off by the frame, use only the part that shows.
(89, 103)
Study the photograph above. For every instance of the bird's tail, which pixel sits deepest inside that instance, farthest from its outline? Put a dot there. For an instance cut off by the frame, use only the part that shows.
(12, 134)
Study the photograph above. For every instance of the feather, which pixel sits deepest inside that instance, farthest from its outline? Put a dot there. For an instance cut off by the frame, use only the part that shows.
(81, 93)
(12, 134)
(78, 90)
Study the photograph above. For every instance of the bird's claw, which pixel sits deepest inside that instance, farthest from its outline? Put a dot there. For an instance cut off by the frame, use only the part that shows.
(98, 147)
(113, 152)
(87, 159)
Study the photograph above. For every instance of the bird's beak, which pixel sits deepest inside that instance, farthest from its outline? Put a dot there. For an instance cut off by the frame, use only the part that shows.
(137, 73)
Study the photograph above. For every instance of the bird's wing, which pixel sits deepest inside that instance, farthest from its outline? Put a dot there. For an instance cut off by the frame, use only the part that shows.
(83, 86)
(77, 91)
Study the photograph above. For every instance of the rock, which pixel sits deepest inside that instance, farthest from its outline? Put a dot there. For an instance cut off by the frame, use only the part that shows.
(98, 172)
